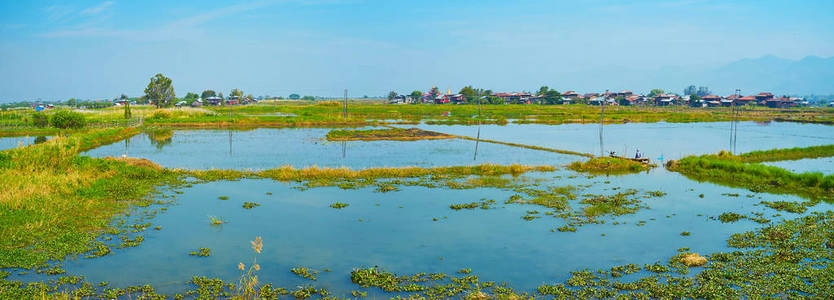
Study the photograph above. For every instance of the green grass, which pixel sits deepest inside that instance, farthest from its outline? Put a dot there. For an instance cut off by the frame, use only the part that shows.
(609, 165)
(787, 154)
(59, 202)
(727, 170)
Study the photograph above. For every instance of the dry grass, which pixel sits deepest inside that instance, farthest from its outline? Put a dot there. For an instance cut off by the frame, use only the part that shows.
(693, 260)
(138, 162)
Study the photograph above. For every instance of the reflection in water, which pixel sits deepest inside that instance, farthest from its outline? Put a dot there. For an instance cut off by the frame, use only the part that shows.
(477, 141)
(230, 142)
(160, 137)
(344, 148)
(40, 139)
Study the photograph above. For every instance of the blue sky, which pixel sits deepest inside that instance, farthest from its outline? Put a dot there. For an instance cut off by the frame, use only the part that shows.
(100, 49)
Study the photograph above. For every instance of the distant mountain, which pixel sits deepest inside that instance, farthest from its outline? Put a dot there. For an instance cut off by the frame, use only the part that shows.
(810, 75)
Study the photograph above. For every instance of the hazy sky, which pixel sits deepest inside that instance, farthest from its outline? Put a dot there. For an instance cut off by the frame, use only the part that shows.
(100, 49)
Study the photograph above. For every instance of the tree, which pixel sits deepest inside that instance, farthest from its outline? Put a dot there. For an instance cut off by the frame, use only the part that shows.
(392, 95)
(416, 96)
(469, 93)
(552, 97)
(694, 100)
(690, 90)
(208, 93)
(160, 90)
(294, 97)
(220, 95)
(124, 98)
(655, 92)
(308, 98)
(68, 119)
(236, 92)
(542, 90)
(71, 102)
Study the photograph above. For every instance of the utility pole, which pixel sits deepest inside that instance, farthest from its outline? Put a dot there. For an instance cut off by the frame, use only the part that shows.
(735, 130)
(601, 122)
(732, 121)
(346, 115)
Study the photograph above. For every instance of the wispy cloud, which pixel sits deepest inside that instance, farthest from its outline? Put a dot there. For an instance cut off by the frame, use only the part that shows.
(177, 29)
(94, 10)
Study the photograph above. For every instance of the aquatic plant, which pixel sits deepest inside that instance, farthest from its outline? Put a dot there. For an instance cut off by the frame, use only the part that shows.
(339, 205)
(304, 272)
(201, 252)
(250, 205)
(730, 217)
(247, 287)
(216, 221)
(223, 198)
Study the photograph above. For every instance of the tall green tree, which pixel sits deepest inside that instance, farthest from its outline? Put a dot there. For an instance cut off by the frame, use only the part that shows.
(124, 98)
(542, 90)
(656, 92)
(208, 93)
(416, 96)
(392, 95)
(469, 93)
(236, 92)
(694, 100)
(160, 90)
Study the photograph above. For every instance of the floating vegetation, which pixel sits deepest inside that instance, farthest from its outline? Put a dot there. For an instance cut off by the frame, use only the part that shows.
(223, 198)
(730, 217)
(610, 165)
(530, 217)
(339, 205)
(464, 271)
(787, 206)
(304, 272)
(483, 204)
(201, 252)
(393, 134)
(216, 221)
(250, 205)
(685, 233)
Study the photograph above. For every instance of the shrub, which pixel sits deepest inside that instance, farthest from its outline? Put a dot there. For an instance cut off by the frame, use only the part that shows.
(40, 119)
(68, 119)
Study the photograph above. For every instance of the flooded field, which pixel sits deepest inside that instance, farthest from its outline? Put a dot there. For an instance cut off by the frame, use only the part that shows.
(669, 140)
(492, 225)
(267, 148)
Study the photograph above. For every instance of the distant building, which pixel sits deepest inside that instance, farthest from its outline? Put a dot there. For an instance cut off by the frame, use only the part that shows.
(665, 99)
(213, 100)
(197, 103)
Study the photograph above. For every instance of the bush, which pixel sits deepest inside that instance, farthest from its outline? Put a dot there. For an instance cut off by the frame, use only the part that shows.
(68, 119)
(161, 114)
(40, 119)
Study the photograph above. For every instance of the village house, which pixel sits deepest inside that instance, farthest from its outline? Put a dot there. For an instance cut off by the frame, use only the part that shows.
(456, 98)
(763, 98)
(213, 100)
(517, 98)
(197, 103)
(665, 99)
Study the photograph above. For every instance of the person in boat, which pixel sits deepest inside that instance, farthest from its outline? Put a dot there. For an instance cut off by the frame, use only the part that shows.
(637, 155)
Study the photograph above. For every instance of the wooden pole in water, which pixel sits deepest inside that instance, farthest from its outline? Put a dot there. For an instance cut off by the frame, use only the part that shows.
(601, 122)
(346, 115)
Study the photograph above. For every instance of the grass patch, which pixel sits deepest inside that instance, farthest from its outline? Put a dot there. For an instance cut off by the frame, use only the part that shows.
(610, 165)
(393, 134)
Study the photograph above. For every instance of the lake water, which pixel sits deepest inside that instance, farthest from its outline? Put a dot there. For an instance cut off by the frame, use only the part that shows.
(17, 141)
(268, 148)
(397, 230)
(669, 140)
(823, 165)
